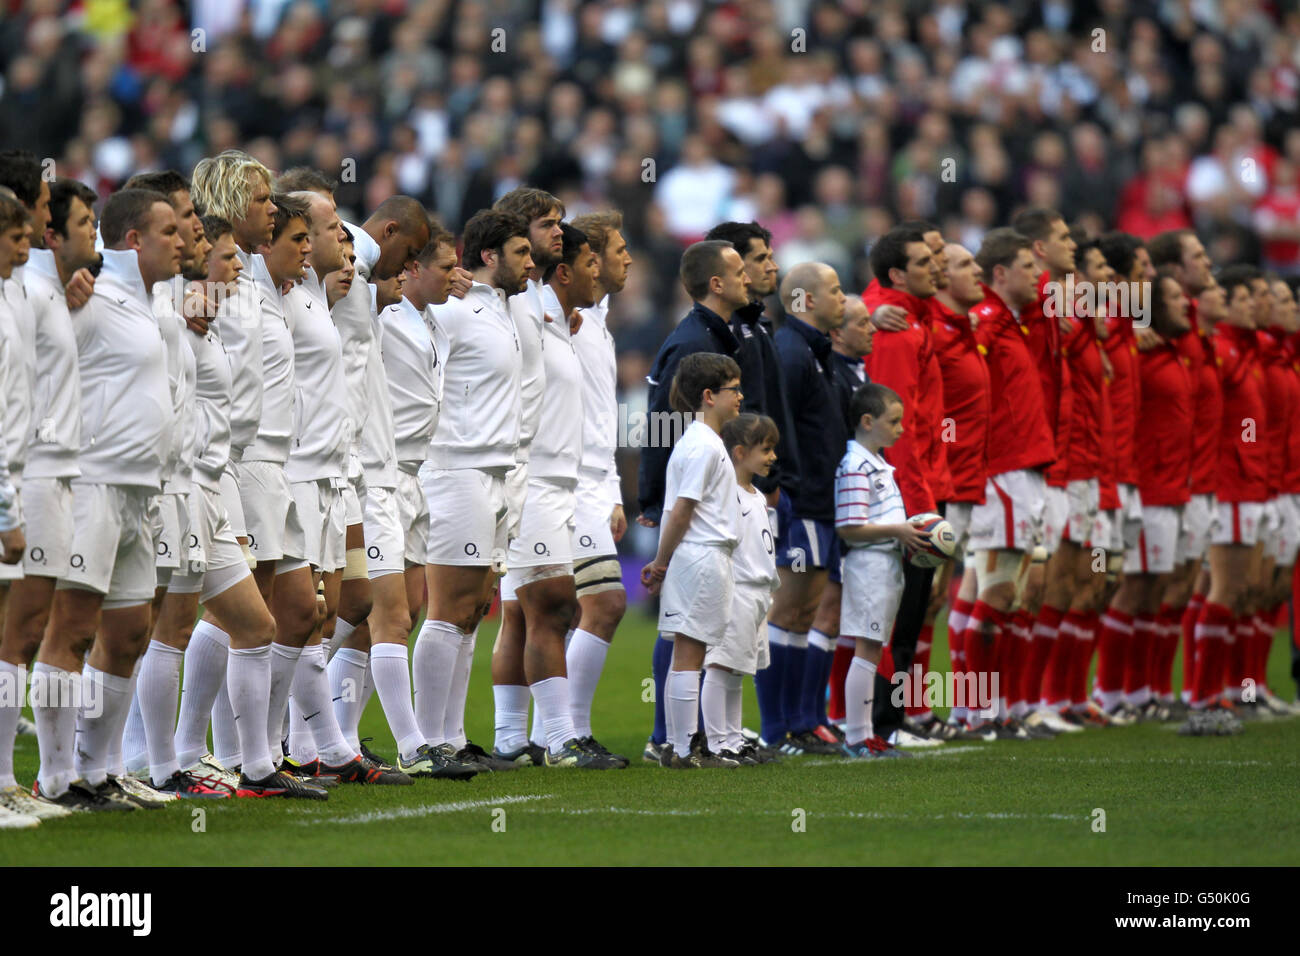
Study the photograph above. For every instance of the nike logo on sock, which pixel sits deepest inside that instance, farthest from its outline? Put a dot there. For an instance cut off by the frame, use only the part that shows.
(310, 716)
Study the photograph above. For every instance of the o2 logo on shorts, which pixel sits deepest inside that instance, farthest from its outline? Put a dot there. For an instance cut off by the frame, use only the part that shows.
(77, 561)
(374, 553)
(471, 550)
(36, 555)
(164, 549)
(194, 540)
(252, 542)
(768, 544)
(541, 550)
(586, 542)
(875, 625)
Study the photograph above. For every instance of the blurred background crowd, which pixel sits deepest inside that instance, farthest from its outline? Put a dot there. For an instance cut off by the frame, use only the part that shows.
(826, 120)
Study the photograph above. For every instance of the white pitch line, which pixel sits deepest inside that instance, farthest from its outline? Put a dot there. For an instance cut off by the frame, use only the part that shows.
(834, 815)
(405, 813)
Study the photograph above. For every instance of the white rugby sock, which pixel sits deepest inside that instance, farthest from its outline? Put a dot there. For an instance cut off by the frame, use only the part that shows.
(735, 706)
(248, 685)
(135, 745)
(453, 721)
(13, 691)
(713, 704)
(537, 736)
(342, 631)
(682, 709)
(433, 670)
(284, 662)
(859, 696)
(225, 735)
(511, 716)
(584, 660)
(114, 763)
(105, 701)
(55, 694)
(347, 678)
(159, 683)
(311, 689)
(392, 674)
(205, 672)
(551, 697)
(302, 742)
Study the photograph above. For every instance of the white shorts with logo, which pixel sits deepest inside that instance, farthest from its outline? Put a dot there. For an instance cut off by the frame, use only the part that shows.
(268, 506)
(872, 591)
(1287, 541)
(1237, 522)
(695, 599)
(47, 525)
(1083, 497)
(14, 572)
(172, 527)
(1198, 524)
(593, 506)
(1158, 546)
(1130, 513)
(112, 544)
(385, 533)
(316, 533)
(467, 516)
(214, 560)
(1056, 514)
(546, 532)
(1012, 513)
(413, 511)
(744, 647)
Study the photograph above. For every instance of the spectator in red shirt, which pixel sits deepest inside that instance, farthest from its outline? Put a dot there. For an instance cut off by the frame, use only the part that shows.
(1277, 220)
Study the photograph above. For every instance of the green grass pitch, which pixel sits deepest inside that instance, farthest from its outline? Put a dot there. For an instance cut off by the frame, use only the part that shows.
(1167, 800)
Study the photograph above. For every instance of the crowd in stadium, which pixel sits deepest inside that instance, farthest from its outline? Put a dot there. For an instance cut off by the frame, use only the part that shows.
(356, 368)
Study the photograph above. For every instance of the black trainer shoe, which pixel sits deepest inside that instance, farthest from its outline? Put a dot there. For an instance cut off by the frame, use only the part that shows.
(81, 796)
(594, 745)
(374, 757)
(184, 785)
(653, 752)
(311, 772)
(434, 763)
(472, 753)
(280, 784)
(361, 770)
(573, 754)
(523, 757)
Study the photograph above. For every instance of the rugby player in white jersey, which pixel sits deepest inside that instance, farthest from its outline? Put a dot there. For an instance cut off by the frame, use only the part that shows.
(540, 560)
(543, 213)
(105, 596)
(414, 373)
(473, 448)
(15, 412)
(317, 471)
(599, 522)
(54, 439)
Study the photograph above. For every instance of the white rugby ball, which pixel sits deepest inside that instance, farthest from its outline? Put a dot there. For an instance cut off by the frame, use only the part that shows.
(943, 542)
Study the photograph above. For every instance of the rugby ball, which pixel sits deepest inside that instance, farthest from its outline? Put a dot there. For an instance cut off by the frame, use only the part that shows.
(943, 542)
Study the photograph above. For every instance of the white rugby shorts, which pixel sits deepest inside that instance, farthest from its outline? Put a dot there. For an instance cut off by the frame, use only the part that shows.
(871, 593)
(695, 598)
(1012, 513)
(744, 647)
(467, 516)
(112, 543)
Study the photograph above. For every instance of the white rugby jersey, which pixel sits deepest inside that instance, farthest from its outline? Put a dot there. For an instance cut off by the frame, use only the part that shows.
(240, 318)
(54, 435)
(126, 403)
(178, 466)
(378, 445)
(352, 315)
(275, 431)
(18, 328)
(528, 312)
(699, 469)
(8, 495)
(477, 339)
(866, 493)
(213, 387)
(414, 379)
(557, 447)
(322, 427)
(595, 348)
(755, 556)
